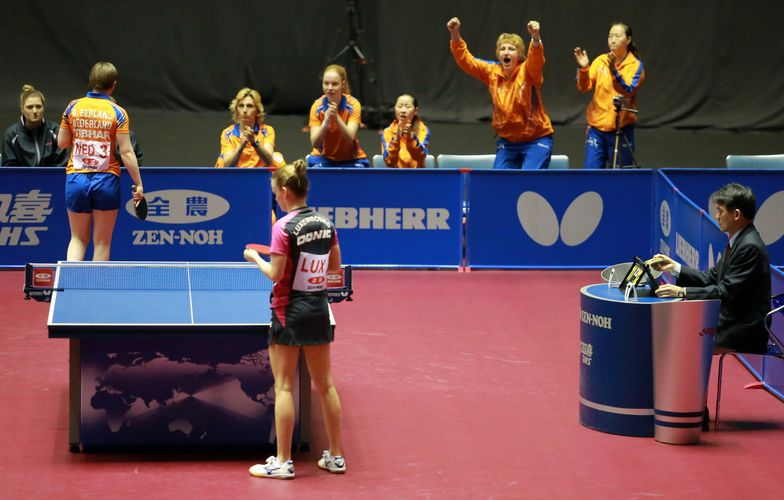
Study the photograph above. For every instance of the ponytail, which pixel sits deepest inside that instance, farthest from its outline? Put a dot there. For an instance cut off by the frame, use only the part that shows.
(293, 177)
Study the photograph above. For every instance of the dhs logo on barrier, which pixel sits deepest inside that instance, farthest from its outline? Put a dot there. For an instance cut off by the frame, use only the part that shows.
(181, 206)
(23, 216)
(579, 222)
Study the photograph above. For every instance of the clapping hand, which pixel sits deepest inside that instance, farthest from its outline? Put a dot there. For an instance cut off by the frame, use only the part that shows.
(581, 57)
(331, 112)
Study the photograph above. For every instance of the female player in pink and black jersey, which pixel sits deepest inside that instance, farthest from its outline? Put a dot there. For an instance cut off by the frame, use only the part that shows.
(304, 248)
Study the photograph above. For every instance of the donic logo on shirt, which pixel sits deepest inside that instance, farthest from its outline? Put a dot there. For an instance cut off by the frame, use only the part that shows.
(182, 206)
(540, 222)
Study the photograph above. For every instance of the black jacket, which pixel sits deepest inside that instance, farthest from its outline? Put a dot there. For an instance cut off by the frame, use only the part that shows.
(742, 281)
(25, 148)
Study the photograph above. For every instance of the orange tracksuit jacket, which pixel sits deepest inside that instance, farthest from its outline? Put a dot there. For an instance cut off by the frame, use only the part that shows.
(335, 147)
(410, 153)
(231, 138)
(518, 110)
(623, 80)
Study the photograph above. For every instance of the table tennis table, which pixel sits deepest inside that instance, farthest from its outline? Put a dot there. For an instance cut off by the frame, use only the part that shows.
(168, 354)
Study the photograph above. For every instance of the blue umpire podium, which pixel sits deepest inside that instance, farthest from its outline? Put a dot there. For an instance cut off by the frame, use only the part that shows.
(168, 354)
(644, 363)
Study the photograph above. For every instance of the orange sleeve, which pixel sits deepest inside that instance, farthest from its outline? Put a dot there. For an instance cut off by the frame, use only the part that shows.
(390, 147)
(534, 64)
(356, 113)
(315, 116)
(417, 144)
(468, 63)
(584, 82)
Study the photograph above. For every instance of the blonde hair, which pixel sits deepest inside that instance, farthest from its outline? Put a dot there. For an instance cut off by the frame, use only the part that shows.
(511, 38)
(29, 91)
(103, 75)
(342, 73)
(242, 94)
(293, 177)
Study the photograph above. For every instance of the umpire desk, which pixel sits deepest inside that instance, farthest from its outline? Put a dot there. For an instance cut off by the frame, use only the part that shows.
(168, 354)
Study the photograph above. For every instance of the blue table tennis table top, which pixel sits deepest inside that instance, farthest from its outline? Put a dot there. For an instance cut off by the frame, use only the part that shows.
(159, 296)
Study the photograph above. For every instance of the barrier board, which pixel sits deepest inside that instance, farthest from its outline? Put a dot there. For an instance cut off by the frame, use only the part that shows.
(536, 219)
(195, 214)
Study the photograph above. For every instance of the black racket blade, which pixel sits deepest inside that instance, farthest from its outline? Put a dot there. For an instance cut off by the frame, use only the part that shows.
(140, 207)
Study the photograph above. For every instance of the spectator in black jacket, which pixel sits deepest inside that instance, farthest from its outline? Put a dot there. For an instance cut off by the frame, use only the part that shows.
(32, 142)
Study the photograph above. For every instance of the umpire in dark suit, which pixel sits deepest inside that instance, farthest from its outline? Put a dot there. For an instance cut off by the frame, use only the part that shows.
(741, 278)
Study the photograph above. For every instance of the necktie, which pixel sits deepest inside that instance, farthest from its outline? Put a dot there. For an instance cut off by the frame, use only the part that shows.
(725, 259)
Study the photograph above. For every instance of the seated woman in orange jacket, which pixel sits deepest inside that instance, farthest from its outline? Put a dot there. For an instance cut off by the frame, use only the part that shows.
(404, 142)
(515, 85)
(334, 123)
(249, 142)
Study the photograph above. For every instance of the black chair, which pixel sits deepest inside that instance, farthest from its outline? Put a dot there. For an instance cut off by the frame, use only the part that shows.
(775, 348)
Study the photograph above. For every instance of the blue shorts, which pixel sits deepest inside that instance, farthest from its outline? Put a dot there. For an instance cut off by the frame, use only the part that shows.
(600, 147)
(529, 155)
(322, 162)
(87, 192)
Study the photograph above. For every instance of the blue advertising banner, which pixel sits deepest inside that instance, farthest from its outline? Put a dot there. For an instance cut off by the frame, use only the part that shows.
(767, 369)
(195, 214)
(687, 225)
(665, 197)
(768, 187)
(519, 219)
(393, 217)
(33, 219)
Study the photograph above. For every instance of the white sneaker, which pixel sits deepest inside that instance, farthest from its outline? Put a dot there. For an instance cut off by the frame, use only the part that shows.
(336, 465)
(273, 468)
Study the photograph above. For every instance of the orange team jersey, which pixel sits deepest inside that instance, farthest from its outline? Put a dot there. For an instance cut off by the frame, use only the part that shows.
(518, 110)
(410, 153)
(335, 146)
(93, 122)
(606, 84)
(231, 138)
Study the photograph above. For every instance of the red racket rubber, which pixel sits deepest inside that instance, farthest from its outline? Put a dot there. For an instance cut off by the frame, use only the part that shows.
(261, 249)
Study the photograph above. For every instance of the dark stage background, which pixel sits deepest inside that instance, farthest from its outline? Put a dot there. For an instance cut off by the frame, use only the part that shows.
(714, 86)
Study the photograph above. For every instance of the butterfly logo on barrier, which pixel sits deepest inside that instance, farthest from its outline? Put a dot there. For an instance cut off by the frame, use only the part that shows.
(579, 221)
(768, 220)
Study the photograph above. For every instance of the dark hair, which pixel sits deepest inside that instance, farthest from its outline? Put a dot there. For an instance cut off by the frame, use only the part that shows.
(628, 31)
(293, 177)
(416, 121)
(736, 196)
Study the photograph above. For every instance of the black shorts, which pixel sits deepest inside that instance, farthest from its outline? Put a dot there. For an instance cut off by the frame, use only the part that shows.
(307, 323)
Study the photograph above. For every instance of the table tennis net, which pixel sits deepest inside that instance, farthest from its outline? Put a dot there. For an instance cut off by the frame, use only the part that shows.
(142, 276)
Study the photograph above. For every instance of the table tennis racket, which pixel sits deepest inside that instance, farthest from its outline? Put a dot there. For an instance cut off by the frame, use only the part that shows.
(140, 207)
(261, 249)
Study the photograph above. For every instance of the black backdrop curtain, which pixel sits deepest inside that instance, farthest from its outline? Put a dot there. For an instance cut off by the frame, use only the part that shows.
(709, 63)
